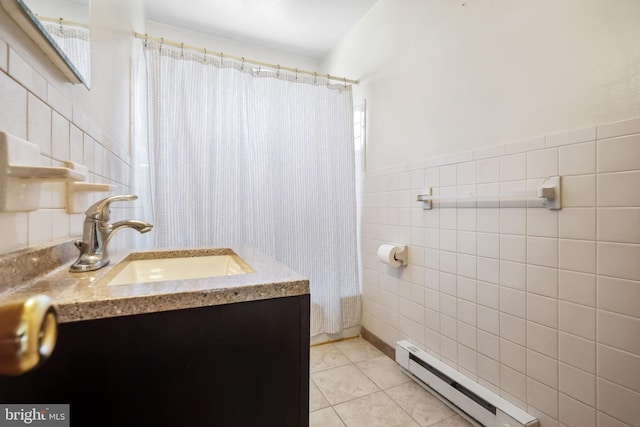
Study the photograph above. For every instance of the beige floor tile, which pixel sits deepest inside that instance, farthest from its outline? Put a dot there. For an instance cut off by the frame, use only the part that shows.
(384, 372)
(455, 421)
(358, 350)
(372, 411)
(316, 399)
(343, 383)
(325, 418)
(325, 357)
(350, 376)
(425, 408)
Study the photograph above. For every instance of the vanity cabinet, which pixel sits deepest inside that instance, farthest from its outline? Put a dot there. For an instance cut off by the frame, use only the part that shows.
(242, 364)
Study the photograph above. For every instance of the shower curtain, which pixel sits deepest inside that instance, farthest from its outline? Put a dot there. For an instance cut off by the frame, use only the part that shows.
(241, 155)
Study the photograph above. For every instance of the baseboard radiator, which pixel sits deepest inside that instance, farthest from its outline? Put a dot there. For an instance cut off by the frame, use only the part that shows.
(477, 402)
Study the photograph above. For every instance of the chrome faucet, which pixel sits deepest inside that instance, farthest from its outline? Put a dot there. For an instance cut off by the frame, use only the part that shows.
(97, 233)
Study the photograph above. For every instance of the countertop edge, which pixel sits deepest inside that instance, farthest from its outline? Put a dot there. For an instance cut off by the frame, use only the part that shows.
(85, 296)
(102, 309)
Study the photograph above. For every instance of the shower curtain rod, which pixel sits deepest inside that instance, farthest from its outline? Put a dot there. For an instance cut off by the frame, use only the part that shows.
(62, 21)
(243, 59)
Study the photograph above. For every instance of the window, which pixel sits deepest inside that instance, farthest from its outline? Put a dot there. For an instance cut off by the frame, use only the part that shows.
(359, 130)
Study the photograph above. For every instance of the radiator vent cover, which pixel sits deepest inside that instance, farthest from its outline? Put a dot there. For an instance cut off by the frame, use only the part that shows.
(481, 404)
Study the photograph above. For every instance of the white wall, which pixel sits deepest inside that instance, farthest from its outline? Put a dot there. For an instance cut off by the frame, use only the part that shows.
(68, 122)
(485, 96)
(444, 76)
(230, 47)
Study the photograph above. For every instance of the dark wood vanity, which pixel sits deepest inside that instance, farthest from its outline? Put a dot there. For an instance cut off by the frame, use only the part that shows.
(242, 364)
(216, 351)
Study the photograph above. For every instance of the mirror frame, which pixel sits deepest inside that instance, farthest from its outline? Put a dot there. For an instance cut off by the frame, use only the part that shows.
(31, 25)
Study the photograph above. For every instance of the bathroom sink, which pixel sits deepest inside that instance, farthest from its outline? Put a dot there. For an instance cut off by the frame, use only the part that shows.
(149, 267)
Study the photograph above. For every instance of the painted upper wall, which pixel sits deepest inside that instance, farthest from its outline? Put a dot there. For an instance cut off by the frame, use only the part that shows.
(230, 47)
(445, 76)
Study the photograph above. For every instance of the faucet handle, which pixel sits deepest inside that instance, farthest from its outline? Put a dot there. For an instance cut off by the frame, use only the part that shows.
(100, 210)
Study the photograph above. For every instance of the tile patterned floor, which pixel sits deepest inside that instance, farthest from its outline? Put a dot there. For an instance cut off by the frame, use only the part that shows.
(353, 384)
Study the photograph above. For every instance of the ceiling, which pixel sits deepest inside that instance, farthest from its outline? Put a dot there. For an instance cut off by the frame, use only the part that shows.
(302, 27)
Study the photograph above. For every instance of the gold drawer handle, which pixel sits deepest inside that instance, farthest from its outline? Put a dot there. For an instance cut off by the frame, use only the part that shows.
(28, 333)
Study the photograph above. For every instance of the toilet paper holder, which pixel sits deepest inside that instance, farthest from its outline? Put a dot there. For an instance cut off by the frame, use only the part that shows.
(402, 255)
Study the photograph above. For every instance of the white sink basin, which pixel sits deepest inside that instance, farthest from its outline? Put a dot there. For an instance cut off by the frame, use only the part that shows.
(161, 269)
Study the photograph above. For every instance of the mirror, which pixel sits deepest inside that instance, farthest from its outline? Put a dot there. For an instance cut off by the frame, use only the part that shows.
(61, 29)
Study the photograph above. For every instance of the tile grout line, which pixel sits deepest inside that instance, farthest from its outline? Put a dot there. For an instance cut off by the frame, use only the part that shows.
(379, 389)
(398, 404)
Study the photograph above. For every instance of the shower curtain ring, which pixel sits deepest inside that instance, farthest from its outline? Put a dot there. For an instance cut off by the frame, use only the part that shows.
(315, 78)
(296, 74)
(61, 27)
(278, 75)
(345, 82)
(242, 67)
(205, 56)
(161, 43)
(181, 50)
(221, 59)
(146, 39)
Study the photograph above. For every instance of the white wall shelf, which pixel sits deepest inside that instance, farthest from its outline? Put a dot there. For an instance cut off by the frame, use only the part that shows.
(78, 192)
(21, 176)
(43, 173)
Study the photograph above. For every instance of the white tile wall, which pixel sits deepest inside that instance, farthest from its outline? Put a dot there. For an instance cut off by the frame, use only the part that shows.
(575, 413)
(39, 124)
(31, 108)
(526, 145)
(3, 55)
(513, 328)
(619, 331)
(619, 225)
(577, 352)
(541, 306)
(623, 127)
(619, 296)
(619, 154)
(542, 163)
(579, 288)
(578, 384)
(577, 159)
(578, 223)
(619, 366)
(571, 137)
(542, 368)
(579, 191)
(619, 189)
(26, 75)
(13, 106)
(618, 402)
(542, 281)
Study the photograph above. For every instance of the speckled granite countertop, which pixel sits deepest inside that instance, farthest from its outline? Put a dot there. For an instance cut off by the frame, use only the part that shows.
(84, 296)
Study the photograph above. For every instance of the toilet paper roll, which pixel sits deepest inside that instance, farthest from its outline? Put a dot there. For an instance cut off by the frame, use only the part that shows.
(388, 255)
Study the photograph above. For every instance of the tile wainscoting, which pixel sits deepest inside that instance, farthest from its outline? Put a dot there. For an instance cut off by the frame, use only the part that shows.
(540, 306)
